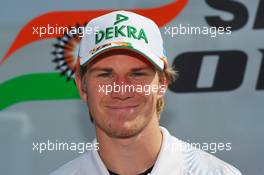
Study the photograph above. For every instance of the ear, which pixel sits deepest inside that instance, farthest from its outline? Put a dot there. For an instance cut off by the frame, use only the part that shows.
(81, 87)
(163, 86)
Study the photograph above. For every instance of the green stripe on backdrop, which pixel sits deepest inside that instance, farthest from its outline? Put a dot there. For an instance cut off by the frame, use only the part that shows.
(39, 86)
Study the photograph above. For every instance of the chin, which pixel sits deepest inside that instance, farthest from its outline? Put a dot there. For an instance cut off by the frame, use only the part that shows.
(123, 128)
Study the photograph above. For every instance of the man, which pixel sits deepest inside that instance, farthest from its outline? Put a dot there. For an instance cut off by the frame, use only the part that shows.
(117, 63)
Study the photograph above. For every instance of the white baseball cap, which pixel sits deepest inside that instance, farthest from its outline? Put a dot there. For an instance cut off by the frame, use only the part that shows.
(125, 30)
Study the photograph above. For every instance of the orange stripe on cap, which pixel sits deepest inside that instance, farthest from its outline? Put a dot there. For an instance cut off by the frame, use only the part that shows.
(76, 67)
(164, 59)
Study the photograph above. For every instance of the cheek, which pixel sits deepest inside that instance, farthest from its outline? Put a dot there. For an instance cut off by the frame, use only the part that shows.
(152, 98)
(148, 103)
(93, 94)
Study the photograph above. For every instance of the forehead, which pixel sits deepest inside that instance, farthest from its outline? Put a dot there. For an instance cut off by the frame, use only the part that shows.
(117, 58)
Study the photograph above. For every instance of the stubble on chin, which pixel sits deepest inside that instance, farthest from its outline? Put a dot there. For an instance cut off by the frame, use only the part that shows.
(123, 132)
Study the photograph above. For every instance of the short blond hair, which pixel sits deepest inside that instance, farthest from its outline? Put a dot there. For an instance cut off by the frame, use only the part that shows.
(169, 75)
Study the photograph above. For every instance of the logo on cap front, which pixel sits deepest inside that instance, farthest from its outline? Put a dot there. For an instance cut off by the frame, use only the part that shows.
(115, 31)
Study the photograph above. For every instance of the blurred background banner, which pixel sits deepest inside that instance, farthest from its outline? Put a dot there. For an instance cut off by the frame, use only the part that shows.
(217, 103)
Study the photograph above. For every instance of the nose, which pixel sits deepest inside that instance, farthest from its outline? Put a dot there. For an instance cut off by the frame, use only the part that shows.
(122, 89)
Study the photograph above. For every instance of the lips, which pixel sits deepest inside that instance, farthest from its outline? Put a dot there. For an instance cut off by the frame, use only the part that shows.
(122, 106)
(123, 111)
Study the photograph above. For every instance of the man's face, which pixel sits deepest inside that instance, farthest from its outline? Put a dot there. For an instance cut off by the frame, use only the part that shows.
(124, 111)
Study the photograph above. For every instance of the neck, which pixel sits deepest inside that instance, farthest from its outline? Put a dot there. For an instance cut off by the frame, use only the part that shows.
(131, 155)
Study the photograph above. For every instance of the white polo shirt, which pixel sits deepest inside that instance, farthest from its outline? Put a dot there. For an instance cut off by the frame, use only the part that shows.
(175, 158)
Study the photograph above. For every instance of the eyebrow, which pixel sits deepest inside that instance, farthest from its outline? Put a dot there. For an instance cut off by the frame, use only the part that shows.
(140, 69)
(111, 70)
(100, 69)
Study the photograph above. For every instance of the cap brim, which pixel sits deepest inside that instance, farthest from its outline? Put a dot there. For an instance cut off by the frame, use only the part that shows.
(142, 50)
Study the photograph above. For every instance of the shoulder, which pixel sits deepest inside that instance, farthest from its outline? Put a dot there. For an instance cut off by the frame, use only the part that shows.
(196, 161)
(76, 166)
(193, 160)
